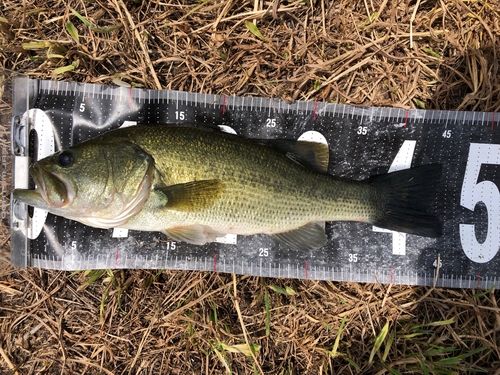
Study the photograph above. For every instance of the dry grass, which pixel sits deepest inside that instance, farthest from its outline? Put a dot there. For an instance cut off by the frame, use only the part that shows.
(438, 54)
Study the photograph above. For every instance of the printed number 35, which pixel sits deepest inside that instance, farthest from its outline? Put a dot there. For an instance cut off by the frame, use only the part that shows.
(486, 192)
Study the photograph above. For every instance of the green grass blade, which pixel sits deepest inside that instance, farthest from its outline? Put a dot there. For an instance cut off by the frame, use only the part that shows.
(419, 103)
(337, 339)
(36, 45)
(72, 31)
(439, 323)
(194, 9)
(486, 292)
(94, 28)
(353, 364)
(447, 361)
(277, 289)
(254, 30)
(423, 366)
(388, 345)
(241, 348)
(431, 52)
(74, 273)
(221, 357)
(81, 18)
(472, 352)
(378, 341)
(101, 308)
(94, 274)
(213, 315)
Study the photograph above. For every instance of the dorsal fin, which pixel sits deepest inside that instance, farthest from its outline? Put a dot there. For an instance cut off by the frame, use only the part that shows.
(312, 155)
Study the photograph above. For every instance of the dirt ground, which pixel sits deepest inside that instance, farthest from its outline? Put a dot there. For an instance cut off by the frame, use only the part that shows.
(432, 54)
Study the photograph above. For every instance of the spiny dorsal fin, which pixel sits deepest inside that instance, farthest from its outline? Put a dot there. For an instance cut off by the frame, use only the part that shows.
(313, 155)
(191, 196)
(306, 238)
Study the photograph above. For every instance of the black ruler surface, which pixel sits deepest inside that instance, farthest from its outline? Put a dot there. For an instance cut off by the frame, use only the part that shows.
(362, 141)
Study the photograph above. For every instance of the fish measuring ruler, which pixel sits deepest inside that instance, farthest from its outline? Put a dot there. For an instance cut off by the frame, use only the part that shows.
(362, 142)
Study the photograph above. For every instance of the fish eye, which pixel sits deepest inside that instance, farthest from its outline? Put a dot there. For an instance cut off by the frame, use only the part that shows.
(65, 159)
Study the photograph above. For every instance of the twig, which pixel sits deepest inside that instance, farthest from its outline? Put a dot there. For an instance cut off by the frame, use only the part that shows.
(411, 23)
(6, 359)
(323, 16)
(437, 270)
(255, 9)
(380, 10)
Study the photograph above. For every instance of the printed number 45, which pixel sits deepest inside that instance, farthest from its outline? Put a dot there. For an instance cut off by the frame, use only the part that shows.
(486, 192)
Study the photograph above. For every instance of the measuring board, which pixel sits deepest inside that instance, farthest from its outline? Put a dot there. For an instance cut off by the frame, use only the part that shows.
(363, 141)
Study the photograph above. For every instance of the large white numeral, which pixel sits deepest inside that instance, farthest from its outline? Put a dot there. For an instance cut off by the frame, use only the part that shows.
(486, 192)
(401, 161)
(46, 146)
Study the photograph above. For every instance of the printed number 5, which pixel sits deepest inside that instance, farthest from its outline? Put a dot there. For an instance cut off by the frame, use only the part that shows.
(486, 192)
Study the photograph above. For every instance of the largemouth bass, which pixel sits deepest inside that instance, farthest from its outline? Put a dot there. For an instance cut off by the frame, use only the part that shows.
(194, 184)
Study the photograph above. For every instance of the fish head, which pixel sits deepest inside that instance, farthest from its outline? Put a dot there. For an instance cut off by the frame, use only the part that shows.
(101, 184)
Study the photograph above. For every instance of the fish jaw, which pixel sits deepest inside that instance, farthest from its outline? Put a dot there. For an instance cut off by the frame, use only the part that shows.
(31, 198)
(51, 192)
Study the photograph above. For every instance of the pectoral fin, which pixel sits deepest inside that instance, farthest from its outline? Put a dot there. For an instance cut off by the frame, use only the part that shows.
(191, 196)
(192, 234)
(306, 238)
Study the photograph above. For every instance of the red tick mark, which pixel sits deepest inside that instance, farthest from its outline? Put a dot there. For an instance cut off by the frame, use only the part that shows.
(315, 108)
(306, 269)
(116, 259)
(478, 276)
(406, 119)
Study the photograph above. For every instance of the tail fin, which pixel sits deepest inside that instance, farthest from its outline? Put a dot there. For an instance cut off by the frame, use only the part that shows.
(404, 198)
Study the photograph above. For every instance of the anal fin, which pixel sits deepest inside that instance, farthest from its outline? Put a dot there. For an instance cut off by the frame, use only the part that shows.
(306, 238)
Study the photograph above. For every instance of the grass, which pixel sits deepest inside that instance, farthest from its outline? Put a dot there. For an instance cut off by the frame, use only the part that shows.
(406, 54)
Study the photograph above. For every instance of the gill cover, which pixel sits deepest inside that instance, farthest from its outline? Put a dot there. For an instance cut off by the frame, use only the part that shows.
(101, 184)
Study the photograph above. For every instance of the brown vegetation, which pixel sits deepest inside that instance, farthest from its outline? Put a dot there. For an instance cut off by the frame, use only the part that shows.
(437, 54)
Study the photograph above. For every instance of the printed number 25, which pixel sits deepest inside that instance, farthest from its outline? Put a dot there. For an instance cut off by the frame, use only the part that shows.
(486, 192)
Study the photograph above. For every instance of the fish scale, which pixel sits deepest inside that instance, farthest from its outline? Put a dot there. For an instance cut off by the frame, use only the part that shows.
(262, 189)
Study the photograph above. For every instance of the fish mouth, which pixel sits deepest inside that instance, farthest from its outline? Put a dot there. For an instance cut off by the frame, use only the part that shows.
(51, 191)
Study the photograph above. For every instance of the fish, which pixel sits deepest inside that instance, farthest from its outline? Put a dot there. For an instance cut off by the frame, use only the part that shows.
(195, 182)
